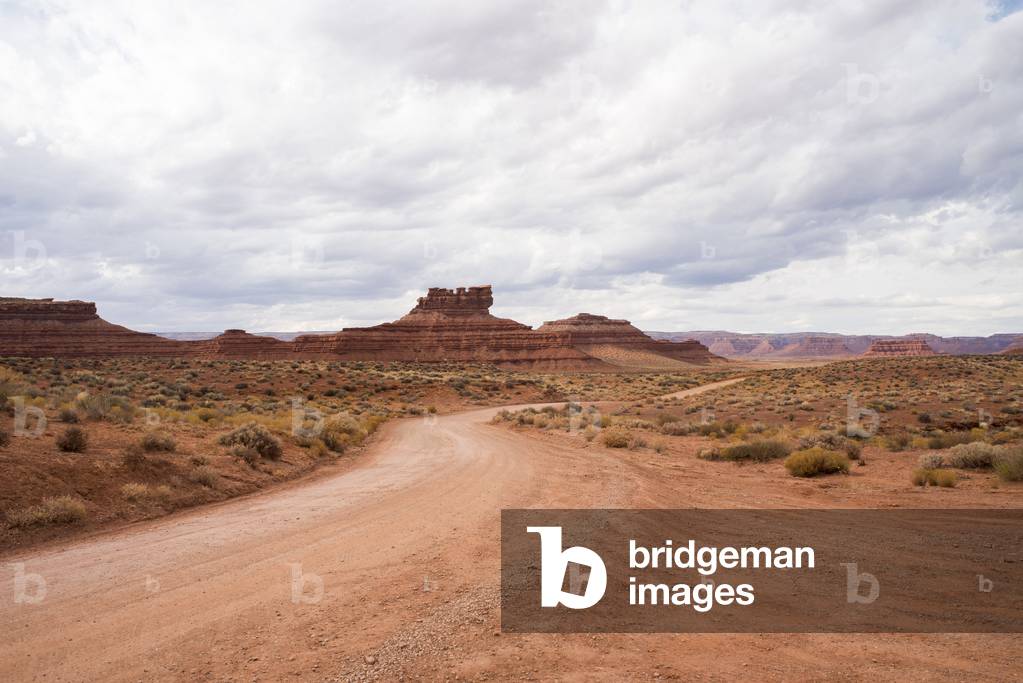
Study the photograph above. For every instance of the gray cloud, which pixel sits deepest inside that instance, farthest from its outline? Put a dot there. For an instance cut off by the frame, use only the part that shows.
(273, 165)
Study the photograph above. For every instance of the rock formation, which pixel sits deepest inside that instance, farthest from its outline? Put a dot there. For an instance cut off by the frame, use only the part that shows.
(760, 345)
(899, 347)
(816, 347)
(239, 344)
(1014, 349)
(44, 327)
(450, 325)
(445, 325)
(602, 337)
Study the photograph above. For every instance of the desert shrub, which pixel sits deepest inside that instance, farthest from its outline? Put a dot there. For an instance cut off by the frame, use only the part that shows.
(935, 477)
(204, 475)
(256, 437)
(158, 442)
(133, 457)
(69, 416)
(897, 442)
(106, 407)
(73, 440)
(677, 428)
(57, 510)
(135, 492)
(614, 438)
(5, 438)
(943, 440)
(247, 453)
(319, 449)
(757, 451)
(971, 456)
(590, 433)
(932, 461)
(1009, 465)
(342, 431)
(815, 461)
(833, 442)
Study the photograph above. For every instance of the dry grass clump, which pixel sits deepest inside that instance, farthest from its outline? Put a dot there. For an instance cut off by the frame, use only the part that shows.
(756, 451)
(342, 431)
(205, 475)
(257, 437)
(73, 440)
(51, 511)
(138, 492)
(935, 477)
(815, 461)
(1009, 465)
(158, 442)
(615, 438)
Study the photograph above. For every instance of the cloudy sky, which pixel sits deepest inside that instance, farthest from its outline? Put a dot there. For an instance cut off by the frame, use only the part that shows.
(751, 166)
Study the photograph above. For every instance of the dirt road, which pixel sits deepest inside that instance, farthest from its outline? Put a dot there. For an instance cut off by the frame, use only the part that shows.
(390, 570)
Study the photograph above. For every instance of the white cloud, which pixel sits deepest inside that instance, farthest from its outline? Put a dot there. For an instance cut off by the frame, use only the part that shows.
(687, 165)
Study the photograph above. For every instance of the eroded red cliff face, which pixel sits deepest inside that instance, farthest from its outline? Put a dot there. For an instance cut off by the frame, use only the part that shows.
(445, 325)
(44, 328)
(589, 332)
(239, 344)
(898, 347)
(451, 325)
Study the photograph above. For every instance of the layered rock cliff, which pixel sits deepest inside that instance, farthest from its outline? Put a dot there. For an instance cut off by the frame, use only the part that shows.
(898, 347)
(450, 325)
(44, 327)
(593, 334)
(445, 325)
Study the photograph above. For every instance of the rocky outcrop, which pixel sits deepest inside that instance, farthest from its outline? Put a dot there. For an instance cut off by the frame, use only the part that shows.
(450, 325)
(899, 347)
(445, 325)
(44, 327)
(587, 332)
(239, 344)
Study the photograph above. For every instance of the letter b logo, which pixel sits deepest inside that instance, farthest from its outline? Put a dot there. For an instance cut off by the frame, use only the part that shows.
(554, 564)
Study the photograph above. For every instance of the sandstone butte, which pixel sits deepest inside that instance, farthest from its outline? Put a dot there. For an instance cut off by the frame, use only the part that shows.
(445, 325)
(898, 347)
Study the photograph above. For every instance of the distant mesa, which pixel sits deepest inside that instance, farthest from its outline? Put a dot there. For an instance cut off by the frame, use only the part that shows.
(816, 347)
(1015, 349)
(765, 346)
(899, 347)
(445, 325)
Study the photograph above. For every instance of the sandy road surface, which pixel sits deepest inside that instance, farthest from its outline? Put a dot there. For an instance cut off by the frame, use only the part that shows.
(406, 546)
